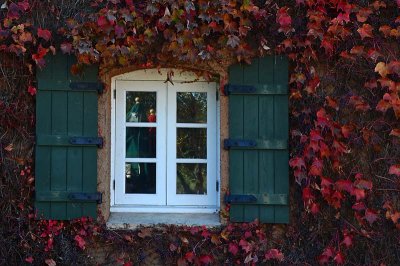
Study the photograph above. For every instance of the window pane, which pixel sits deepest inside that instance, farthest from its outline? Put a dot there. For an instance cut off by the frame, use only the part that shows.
(191, 107)
(140, 178)
(191, 143)
(191, 178)
(140, 142)
(140, 106)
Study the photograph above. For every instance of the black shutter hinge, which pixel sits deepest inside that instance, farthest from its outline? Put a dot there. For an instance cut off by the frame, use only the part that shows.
(243, 143)
(217, 186)
(114, 184)
(87, 86)
(241, 89)
(115, 93)
(98, 141)
(82, 196)
(217, 95)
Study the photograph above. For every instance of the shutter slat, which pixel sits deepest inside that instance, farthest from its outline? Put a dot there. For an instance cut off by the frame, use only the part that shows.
(250, 131)
(236, 131)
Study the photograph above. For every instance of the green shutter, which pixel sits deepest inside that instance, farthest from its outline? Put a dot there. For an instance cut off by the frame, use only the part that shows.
(258, 142)
(66, 168)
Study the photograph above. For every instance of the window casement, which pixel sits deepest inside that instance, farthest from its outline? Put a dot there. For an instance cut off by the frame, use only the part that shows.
(165, 146)
(163, 151)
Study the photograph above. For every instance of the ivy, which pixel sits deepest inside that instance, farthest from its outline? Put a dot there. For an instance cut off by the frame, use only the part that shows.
(344, 93)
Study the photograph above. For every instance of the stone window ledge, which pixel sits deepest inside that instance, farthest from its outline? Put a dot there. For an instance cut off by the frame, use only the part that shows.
(130, 221)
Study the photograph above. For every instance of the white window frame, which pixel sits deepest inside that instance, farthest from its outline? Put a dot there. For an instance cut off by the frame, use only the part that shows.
(184, 78)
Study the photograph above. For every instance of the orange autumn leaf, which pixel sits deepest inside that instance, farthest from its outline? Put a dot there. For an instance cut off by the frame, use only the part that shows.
(365, 31)
(382, 69)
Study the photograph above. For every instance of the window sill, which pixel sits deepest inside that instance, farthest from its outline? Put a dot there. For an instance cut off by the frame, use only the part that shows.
(130, 221)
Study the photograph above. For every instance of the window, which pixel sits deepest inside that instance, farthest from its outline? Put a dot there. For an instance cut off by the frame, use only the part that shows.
(165, 144)
(163, 150)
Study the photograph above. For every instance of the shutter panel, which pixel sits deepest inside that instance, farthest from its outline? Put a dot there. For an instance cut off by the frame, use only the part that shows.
(66, 141)
(258, 143)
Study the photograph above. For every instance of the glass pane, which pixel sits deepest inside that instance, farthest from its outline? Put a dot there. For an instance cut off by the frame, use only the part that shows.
(140, 142)
(191, 143)
(140, 178)
(140, 106)
(191, 178)
(191, 107)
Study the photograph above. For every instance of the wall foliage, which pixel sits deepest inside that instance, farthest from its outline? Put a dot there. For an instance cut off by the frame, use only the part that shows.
(345, 110)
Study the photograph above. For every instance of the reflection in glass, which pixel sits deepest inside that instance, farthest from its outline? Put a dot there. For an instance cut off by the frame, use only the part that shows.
(140, 142)
(191, 143)
(191, 107)
(139, 105)
(140, 178)
(191, 178)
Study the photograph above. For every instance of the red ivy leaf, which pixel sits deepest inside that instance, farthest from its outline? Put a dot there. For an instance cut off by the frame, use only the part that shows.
(31, 90)
(339, 258)
(39, 56)
(206, 259)
(316, 167)
(359, 193)
(274, 254)
(314, 208)
(29, 259)
(102, 21)
(44, 34)
(233, 248)
(347, 241)
(189, 256)
(363, 14)
(345, 185)
(371, 216)
(297, 162)
(359, 206)
(394, 170)
(80, 241)
(284, 20)
(50, 262)
(346, 130)
(395, 132)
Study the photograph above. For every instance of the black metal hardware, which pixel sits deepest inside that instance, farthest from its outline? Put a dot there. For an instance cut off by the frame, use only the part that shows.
(228, 143)
(81, 196)
(240, 199)
(217, 186)
(86, 141)
(259, 199)
(87, 86)
(231, 88)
